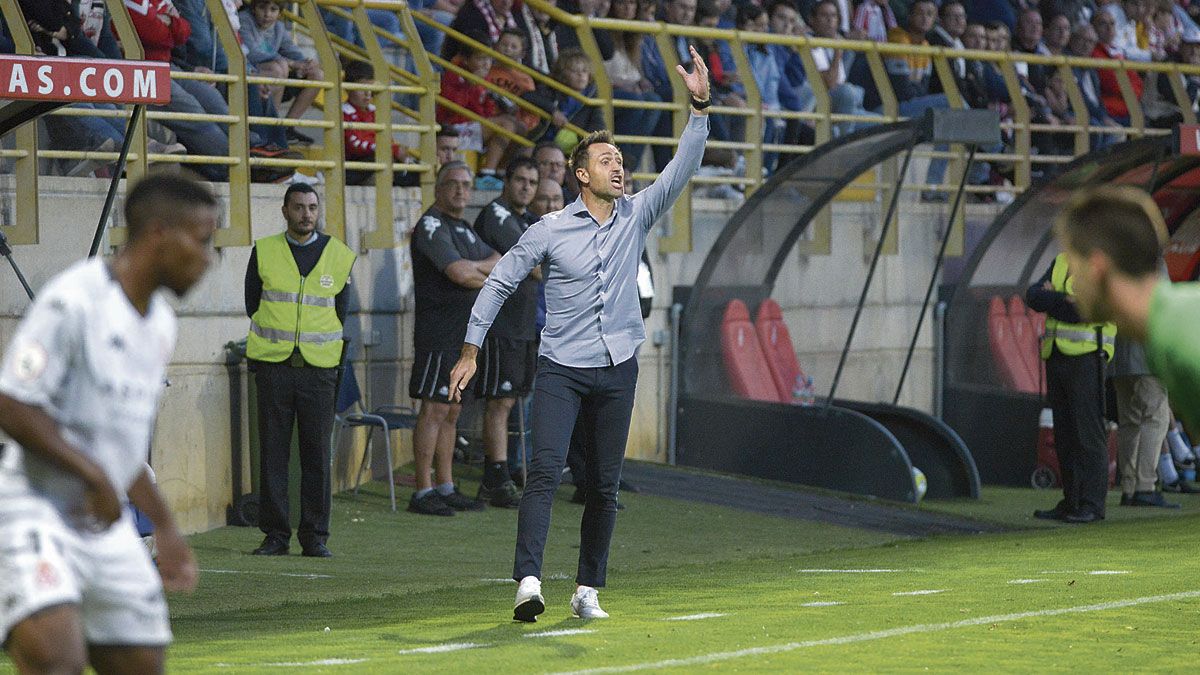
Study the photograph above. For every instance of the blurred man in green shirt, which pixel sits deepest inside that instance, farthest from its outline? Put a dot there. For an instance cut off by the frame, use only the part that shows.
(1113, 237)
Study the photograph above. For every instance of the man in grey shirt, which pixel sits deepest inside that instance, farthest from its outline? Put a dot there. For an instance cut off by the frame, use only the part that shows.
(589, 253)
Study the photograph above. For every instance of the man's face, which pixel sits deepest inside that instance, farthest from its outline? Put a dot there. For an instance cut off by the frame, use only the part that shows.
(447, 149)
(265, 14)
(552, 164)
(623, 9)
(1105, 25)
(511, 46)
(1083, 41)
(547, 199)
(605, 174)
(302, 212)
(519, 190)
(954, 19)
(824, 20)
(998, 40)
(1029, 28)
(681, 12)
(1058, 33)
(921, 17)
(185, 249)
(453, 192)
(975, 37)
(784, 20)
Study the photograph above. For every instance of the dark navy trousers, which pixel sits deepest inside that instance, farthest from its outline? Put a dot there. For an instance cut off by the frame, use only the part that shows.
(602, 399)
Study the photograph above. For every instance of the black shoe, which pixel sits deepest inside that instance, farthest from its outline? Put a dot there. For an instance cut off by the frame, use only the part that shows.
(1050, 514)
(1083, 517)
(1183, 487)
(317, 551)
(1151, 499)
(518, 479)
(460, 502)
(1126, 500)
(505, 495)
(294, 136)
(272, 545)
(429, 505)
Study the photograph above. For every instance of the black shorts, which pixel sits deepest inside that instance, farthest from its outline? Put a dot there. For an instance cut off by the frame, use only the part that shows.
(505, 368)
(430, 379)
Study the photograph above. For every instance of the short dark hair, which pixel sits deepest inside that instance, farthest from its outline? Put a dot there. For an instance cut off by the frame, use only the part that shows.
(706, 9)
(515, 32)
(748, 12)
(811, 12)
(579, 156)
(776, 4)
(357, 71)
(447, 131)
(160, 196)
(1122, 222)
(543, 145)
(947, 3)
(299, 188)
(519, 163)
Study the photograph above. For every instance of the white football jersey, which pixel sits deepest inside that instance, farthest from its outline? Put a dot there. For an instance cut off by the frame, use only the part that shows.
(85, 356)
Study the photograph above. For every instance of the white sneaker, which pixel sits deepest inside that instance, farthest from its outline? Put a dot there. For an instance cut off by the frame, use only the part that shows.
(530, 602)
(585, 604)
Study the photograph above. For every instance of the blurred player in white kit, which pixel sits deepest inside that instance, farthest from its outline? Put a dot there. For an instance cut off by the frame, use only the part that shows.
(80, 384)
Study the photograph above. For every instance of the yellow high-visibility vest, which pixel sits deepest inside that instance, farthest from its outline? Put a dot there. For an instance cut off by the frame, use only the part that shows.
(295, 311)
(1074, 339)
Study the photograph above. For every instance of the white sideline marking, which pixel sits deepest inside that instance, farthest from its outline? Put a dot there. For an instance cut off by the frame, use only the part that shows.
(271, 574)
(1109, 572)
(852, 571)
(1027, 581)
(1092, 572)
(439, 649)
(696, 617)
(557, 633)
(295, 664)
(705, 659)
(825, 603)
(925, 592)
(498, 581)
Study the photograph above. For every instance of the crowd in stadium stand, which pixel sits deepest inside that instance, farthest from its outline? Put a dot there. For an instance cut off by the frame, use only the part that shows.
(181, 32)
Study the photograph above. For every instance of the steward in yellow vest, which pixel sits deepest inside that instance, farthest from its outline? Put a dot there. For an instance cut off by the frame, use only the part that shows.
(296, 298)
(1075, 353)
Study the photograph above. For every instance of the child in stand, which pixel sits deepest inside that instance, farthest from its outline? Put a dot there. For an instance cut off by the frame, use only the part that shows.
(360, 143)
(512, 45)
(477, 99)
(271, 51)
(573, 69)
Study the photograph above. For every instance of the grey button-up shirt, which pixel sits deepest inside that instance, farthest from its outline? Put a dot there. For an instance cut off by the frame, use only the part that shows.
(593, 318)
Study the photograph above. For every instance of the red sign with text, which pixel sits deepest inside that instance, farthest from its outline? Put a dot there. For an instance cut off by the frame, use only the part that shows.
(1189, 139)
(84, 80)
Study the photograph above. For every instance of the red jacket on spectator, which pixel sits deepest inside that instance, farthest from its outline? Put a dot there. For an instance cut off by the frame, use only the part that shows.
(1110, 91)
(158, 38)
(473, 97)
(360, 143)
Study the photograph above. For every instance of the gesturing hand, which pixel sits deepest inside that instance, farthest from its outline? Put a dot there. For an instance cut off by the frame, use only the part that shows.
(697, 80)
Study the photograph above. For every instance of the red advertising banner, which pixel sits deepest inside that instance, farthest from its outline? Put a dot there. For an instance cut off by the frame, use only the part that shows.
(84, 80)
(1189, 139)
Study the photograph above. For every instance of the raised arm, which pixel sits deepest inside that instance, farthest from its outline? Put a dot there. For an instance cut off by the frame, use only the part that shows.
(654, 200)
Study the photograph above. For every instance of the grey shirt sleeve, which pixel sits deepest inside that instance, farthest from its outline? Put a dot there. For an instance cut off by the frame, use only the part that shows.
(529, 251)
(649, 204)
(433, 239)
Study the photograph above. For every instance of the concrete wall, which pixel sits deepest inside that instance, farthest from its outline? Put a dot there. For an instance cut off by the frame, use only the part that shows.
(192, 448)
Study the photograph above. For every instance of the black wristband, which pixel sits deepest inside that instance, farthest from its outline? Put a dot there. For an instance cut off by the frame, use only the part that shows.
(701, 105)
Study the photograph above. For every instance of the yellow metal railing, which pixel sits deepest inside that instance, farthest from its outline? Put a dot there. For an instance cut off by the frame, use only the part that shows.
(328, 156)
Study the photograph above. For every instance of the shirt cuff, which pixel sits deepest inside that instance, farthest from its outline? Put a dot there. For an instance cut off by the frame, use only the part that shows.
(698, 122)
(475, 335)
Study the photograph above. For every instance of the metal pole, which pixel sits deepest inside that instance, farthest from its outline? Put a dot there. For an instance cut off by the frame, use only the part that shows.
(862, 298)
(937, 266)
(6, 251)
(116, 179)
(673, 398)
(939, 357)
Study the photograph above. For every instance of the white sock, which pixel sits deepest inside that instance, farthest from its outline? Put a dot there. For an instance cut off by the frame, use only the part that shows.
(445, 489)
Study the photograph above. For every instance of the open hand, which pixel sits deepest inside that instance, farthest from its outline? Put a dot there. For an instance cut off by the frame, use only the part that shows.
(697, 80)
(460, 376)
(101, 503)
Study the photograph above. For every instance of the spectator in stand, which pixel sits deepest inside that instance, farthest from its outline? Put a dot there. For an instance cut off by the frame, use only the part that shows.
(1057, 34)
(795, 93)
(96, 25)
(7, 46)
(910, 76)
(55, 28)
(1076, 11)
(1130, 19)
(625, 74)
(543, 39)
(568, 37)
(874, 20)
(987, 11)
(477, 99)
(447, 146)
(516, 82)
(552, 165)
(441, 11)
(272, 52)
(1164, 31)
(361, 143)
(725, 81)
(947, 32)
(765, 69)
(845, 98)
(1083, 43)
(476, 17)
(344, 28)
(1189, 53)
(573, 69)
(1028, 39)
(203, 51)
(161, 29)
(1110, 92)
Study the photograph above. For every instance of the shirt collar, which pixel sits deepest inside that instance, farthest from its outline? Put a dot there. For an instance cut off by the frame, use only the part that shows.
(312, 239)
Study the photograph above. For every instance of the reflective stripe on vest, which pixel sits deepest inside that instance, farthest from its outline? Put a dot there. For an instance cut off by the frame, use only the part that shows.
(298, 312)
(1073, 339)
